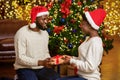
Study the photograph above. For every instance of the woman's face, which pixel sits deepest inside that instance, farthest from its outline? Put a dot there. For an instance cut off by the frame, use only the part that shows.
(84, 27)
(42, 21)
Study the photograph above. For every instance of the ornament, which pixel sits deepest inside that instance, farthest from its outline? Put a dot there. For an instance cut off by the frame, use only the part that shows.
(70, 46)
(48, 30)
(74, 30)
(91, 0)
(62, 20)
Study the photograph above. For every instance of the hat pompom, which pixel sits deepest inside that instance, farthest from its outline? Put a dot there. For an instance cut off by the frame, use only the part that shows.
(32, 25)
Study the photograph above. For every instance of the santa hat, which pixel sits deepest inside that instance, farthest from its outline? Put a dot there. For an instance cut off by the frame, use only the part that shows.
(36, 12)
(95, 17)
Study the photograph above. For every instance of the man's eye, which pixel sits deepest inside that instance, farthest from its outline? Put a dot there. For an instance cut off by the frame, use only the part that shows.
(44, 18)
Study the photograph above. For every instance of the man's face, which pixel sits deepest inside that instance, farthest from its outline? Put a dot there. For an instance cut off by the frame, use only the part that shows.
(42, 21)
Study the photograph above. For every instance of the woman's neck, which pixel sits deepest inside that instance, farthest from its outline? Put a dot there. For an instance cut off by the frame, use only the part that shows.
(93, 33)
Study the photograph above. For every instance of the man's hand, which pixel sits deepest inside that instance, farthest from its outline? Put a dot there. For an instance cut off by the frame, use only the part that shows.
(45, 63)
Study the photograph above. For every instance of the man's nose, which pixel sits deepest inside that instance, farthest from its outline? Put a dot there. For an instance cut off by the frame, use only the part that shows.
(45, 21)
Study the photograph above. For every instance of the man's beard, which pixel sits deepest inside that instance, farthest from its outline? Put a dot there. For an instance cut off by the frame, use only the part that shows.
(40, 26)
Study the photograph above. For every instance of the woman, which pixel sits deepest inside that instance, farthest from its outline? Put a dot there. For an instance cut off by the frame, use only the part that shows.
(90, 51)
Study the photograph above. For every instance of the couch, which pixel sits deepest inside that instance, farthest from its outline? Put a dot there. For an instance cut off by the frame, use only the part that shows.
(8, 29)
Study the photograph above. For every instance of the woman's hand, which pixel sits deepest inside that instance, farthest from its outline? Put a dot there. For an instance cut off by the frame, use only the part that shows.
(67, 58)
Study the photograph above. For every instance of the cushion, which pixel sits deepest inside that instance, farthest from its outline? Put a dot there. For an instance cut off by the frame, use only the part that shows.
(6, 44)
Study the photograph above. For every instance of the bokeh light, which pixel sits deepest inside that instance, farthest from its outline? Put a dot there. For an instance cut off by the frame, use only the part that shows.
(20, 9)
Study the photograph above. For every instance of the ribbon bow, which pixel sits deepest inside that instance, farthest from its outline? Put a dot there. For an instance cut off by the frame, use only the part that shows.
(57, 57)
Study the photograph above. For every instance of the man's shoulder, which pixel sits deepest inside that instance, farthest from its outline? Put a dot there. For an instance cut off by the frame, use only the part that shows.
(22, 29)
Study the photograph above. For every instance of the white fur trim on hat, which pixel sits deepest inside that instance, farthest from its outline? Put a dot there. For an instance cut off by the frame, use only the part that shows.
(42, 13)
(90, 20)
(32, 25)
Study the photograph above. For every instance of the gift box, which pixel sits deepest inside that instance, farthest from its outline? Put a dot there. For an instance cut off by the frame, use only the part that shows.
(56, 60)
(72, 70)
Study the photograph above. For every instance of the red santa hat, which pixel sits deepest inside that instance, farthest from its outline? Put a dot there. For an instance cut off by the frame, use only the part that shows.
(95, 17)
(36, 12)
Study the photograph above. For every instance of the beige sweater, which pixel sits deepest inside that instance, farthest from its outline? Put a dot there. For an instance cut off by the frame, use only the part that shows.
(30, 47)
(89, 59)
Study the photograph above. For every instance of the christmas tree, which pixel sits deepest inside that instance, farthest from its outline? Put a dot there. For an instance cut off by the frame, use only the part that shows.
(65, 18)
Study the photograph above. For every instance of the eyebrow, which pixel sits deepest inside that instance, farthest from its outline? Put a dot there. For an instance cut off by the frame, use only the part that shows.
(44, 16)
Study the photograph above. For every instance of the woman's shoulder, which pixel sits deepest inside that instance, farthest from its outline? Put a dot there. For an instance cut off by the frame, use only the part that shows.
(96, 40)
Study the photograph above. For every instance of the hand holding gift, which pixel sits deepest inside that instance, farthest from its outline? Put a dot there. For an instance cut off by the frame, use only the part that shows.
(56, 60)
(67, 58)
(45, 63)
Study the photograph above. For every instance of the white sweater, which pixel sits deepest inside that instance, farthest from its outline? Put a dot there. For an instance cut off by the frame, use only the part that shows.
(30, 47)
(89, 59)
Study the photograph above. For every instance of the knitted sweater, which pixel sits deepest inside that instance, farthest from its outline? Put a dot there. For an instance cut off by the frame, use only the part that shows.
(89, 59)
(30, 47)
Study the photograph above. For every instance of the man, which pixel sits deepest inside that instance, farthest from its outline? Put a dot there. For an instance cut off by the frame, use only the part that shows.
(31, 48)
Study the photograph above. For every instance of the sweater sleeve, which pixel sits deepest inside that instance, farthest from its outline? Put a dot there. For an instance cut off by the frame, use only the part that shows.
(47, 49)
(20, 49)
(92, 59)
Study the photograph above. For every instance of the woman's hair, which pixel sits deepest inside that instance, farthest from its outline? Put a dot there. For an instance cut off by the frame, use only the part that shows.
(85, 19)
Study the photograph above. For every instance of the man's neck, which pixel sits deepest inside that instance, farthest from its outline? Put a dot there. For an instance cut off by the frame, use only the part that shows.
(34, 29)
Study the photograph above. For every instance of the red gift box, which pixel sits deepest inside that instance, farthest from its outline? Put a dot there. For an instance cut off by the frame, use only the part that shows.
(57, 60)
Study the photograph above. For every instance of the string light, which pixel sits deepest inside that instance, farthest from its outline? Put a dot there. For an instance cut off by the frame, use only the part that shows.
(112, 21)
(15, 9)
